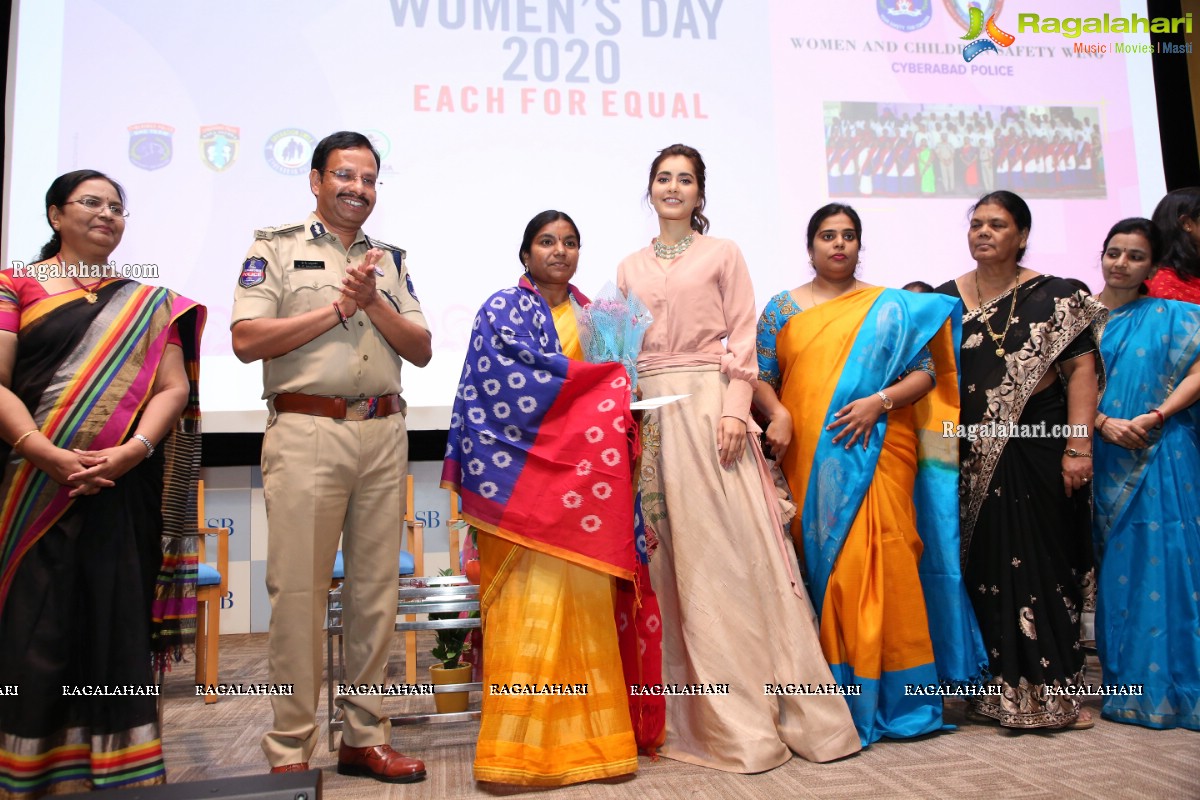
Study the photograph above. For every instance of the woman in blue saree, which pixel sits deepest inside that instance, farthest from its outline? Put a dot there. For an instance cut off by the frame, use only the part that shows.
(1147, 515)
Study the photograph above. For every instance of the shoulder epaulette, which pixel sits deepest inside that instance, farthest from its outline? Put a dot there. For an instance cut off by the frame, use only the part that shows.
(384, 245)
(271, 233)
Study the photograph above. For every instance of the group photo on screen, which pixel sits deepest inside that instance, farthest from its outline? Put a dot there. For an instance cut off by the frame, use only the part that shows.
(954, 150)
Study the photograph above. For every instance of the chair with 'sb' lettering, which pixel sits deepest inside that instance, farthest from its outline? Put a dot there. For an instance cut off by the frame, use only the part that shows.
(211, 585)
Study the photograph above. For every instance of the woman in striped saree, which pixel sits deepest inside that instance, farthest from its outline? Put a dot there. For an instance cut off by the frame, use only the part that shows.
(99, 468)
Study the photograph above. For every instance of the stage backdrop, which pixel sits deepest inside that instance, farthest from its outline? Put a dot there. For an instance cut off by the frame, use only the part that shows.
(486, 112)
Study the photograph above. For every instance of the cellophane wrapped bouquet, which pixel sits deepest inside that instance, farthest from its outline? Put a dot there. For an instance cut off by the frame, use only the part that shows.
(612, 327)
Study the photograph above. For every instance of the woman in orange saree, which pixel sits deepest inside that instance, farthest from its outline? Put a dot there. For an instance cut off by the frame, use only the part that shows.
(541, 452)
(860, 382)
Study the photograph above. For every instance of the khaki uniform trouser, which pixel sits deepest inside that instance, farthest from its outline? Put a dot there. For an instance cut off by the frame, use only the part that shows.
(324, 479)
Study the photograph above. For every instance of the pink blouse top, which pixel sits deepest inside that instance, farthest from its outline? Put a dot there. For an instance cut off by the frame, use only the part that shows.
(19, 293)
(703, 297)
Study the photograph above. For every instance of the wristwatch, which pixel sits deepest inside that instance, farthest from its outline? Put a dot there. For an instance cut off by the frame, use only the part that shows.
(887, 401)
(145, 443)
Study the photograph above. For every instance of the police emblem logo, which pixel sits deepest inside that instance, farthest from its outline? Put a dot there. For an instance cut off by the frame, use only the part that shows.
(317, 229)
(150, 145)
(413, 292)
(905, 15)
(254, 272)
(219, 146)
(289, 151)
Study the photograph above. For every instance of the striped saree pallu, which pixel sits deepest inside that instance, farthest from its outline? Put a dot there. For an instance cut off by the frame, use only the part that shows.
(86, 372)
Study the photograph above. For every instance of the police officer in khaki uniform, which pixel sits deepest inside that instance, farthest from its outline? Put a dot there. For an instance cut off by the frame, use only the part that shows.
(332, 315)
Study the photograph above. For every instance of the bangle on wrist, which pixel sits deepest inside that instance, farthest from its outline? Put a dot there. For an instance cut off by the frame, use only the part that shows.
(145, 443)
(16, 446)
(1161, 419)
(1071, 452)
(1100, 424)
(341, 317)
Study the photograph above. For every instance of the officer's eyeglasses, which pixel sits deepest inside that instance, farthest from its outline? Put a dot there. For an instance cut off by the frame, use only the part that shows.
(96, 205)
(345, 176)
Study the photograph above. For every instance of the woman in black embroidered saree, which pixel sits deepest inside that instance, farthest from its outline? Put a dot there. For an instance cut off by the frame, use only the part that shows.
(1029, 369)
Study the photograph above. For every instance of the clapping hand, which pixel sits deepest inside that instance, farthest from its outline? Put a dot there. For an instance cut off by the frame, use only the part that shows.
(359, 284)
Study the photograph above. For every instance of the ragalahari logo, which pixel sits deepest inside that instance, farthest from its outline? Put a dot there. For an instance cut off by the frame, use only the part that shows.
(976, 27)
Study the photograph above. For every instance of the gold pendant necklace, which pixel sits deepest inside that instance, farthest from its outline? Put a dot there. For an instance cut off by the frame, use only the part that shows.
(88, 294)
(998, 338)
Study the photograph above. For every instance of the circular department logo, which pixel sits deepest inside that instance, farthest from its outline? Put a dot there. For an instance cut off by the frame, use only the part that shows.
(150, 145)
(289, 151)
(380, 142)
(905, 15)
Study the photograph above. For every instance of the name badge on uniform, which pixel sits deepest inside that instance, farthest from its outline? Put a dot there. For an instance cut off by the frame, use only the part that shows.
(308, 265)
(254, 272)
(317, 229)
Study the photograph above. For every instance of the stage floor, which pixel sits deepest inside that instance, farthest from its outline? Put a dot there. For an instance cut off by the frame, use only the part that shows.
(979, 762)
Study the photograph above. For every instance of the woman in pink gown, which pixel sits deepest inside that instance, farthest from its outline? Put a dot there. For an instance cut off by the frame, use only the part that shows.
(737, 622)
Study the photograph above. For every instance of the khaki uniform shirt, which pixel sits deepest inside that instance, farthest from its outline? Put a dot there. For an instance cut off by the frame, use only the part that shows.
(303, 270)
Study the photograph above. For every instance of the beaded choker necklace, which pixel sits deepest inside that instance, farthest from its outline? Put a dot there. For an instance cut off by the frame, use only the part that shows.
(673, 251)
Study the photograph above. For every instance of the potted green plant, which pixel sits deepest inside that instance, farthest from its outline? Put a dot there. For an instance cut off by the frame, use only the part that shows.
(449, 648)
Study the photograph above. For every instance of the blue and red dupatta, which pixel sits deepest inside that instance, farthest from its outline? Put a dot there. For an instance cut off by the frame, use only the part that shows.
(541, 446)
(542, 449)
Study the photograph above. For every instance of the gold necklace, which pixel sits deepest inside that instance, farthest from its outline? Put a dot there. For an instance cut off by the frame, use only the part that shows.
(812, 296)
(88, 293)
(998, 338)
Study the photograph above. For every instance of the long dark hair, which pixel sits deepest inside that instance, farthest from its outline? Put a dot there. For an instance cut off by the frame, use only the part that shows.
(1014, 204)
(699, 221)
(540, 221)
(1178, 251)
(57, 196)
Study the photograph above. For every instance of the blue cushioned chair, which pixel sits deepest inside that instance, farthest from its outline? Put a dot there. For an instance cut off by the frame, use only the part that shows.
(407, 566)
(211, 585)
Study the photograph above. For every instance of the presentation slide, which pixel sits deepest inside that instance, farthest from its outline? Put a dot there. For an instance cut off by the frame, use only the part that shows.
(486, 112)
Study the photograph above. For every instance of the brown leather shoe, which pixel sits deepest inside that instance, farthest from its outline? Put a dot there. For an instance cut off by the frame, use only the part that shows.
(380, 762)
(301, 767)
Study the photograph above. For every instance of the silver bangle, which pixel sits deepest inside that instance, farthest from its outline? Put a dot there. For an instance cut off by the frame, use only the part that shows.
(146, 442)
